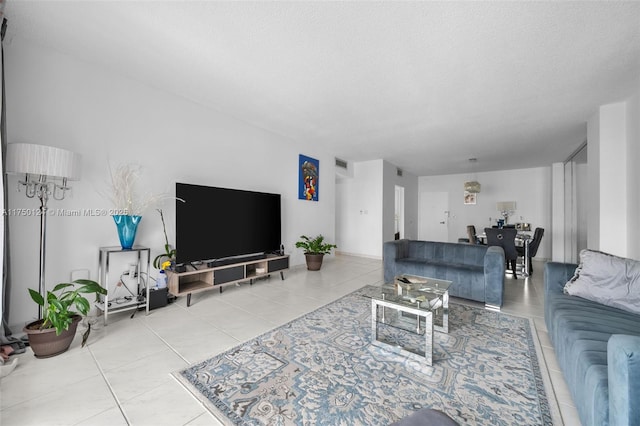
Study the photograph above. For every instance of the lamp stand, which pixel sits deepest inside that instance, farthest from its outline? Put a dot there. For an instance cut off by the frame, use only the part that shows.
(505, 215)
(46, 170)
(43, 195)
(41, 188)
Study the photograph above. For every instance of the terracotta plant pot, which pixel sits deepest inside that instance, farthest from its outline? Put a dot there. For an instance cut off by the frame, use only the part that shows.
(314, 261)
(45, 343)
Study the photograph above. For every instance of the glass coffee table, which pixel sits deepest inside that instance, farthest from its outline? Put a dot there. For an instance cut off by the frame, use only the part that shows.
(410, 304)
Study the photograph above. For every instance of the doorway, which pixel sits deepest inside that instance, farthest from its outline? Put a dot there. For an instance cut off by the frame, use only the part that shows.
(433, 222)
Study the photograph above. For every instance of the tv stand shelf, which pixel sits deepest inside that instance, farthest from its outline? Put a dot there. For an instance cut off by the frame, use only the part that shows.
(207, 278)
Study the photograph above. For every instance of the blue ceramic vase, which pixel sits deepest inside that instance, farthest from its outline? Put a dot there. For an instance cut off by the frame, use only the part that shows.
(127, 227)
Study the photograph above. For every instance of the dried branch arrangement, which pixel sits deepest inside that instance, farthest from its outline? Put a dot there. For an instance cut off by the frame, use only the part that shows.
(123, 193)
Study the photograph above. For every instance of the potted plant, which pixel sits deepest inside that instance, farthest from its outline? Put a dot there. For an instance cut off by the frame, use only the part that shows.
(314, 250)
(64, 308)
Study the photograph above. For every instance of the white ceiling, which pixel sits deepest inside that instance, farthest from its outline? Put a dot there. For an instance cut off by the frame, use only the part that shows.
(424, 85)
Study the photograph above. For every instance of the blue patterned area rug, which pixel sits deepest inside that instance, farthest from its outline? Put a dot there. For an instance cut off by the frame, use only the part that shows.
(321, 369)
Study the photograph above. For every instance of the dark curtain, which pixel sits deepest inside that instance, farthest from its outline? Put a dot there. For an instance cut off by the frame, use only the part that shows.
(5, 285)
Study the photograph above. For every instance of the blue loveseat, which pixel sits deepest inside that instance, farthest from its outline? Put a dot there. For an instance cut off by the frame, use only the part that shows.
(476, 272)
(598, 350)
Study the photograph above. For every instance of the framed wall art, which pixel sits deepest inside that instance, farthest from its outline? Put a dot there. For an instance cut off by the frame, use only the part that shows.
(469, 197)
(308, 178)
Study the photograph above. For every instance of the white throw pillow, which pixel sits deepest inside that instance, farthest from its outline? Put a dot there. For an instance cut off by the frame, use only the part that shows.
(607, 279)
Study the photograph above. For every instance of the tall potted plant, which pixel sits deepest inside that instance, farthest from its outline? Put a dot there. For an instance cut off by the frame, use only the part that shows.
(314, 250)
(169, 253)
(62, 311)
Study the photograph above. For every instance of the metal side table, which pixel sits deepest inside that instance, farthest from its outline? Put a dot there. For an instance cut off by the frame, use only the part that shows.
(143, 257)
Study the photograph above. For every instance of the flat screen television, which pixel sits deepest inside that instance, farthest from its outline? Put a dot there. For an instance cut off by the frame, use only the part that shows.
(218, 223)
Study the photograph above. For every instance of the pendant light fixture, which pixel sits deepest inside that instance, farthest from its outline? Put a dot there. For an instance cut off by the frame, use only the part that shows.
(472, 187)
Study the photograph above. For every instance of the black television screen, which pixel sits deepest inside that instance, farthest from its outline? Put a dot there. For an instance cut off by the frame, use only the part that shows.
(215, 223)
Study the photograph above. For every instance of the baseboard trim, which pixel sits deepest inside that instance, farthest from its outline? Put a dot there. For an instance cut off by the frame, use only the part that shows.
(364, 256)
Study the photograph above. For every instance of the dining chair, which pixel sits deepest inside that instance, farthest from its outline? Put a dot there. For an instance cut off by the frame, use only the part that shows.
(505, 238)
(533, 247)
(471, 232)
(471, 238)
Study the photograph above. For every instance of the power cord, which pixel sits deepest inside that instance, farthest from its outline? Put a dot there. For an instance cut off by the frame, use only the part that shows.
(122, 284)
(142, 290)
(140, 297)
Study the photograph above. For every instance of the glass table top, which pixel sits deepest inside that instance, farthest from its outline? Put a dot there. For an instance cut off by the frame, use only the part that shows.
(413, 291)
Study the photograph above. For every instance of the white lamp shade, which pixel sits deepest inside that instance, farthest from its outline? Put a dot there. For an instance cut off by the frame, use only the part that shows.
(506, 206)
(472, 187)
(23, 158)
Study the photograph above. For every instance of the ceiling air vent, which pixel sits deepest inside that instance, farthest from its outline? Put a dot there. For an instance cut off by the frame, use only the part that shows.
(341, 163)
(399, 172)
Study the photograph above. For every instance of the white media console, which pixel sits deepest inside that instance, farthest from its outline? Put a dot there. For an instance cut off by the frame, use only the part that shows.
(207, 278)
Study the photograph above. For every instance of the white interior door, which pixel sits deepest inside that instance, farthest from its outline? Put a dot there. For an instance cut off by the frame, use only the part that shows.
(434, 216)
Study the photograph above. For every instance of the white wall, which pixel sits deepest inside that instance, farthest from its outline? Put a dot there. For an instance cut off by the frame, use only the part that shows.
(593, 179)
(633, 159)
(529, 188)
(55, 100)
(613, 182)
(613, 154)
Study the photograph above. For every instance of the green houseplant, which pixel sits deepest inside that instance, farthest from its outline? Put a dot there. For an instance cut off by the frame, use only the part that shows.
(169, 253)
(314, 250)
(63, 309)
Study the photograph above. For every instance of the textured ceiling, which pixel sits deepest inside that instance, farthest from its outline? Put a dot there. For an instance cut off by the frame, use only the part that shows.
(424, 85)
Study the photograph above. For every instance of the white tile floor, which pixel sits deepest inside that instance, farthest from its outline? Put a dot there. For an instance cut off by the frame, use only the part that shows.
(123, 375)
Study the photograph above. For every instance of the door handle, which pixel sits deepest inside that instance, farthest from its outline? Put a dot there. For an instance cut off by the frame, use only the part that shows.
(442, 223)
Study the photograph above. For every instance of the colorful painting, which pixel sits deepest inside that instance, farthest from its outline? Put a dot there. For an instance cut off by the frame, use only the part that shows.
(309, 178)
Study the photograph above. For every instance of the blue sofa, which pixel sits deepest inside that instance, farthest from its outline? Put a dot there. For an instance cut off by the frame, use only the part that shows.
(476, 272)
(598, 350)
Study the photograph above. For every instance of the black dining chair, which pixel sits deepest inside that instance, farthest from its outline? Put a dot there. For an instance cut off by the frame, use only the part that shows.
(505, 238)
(533, 247)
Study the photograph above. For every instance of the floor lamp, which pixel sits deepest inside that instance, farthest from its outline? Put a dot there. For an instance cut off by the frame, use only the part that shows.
(46, 171)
